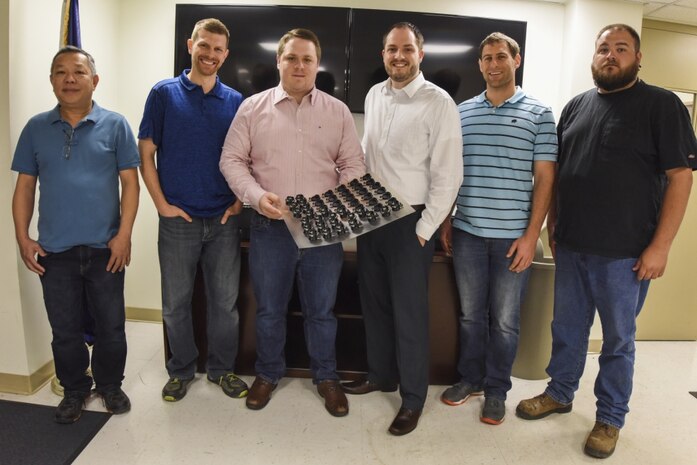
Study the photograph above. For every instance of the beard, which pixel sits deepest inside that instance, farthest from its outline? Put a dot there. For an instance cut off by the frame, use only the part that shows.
(609, 82)
(401, 74)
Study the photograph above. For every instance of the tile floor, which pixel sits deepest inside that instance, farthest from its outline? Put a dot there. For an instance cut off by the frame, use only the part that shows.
(209, 428)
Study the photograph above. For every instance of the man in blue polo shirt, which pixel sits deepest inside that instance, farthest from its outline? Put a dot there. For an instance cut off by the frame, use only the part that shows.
(508, 139)
(185, 122)
(79, 152)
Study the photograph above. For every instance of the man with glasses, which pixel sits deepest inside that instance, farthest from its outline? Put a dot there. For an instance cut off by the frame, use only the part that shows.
(79, 152)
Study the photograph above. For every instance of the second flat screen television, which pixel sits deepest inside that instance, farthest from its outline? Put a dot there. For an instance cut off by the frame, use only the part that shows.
(351, 41)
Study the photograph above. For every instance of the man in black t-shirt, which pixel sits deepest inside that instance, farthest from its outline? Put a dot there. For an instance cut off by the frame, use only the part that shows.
(626, 155)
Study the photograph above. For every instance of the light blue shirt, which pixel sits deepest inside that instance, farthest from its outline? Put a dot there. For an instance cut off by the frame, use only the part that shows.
(78, 170)
(500, 145)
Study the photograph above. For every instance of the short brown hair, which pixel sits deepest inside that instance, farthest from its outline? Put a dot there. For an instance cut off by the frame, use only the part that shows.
(496, 37)
(212, 25)
(299, 33)
(622, 27)
(406, 25)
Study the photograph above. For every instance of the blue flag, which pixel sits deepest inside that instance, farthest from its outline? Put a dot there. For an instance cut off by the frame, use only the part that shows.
(70, 24)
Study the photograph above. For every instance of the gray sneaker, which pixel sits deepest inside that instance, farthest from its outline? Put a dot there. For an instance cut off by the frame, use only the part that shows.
(232, 385)
(494, 411)
(175, 389)
(459, 393)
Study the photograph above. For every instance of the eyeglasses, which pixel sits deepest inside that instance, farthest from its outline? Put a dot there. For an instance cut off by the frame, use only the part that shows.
(68, 142)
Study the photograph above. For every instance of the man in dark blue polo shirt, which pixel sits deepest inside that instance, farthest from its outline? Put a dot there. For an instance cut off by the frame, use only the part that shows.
(185, 122)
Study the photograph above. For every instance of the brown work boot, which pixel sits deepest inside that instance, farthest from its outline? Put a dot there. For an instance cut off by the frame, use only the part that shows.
(539, 407)
(602, 440)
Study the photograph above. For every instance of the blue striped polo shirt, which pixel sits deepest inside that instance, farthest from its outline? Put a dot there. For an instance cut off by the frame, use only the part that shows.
(499, 146)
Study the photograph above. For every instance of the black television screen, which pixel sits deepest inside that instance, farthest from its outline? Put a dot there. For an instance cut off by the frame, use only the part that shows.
(451, 46)
(351, 41)
(254, 34)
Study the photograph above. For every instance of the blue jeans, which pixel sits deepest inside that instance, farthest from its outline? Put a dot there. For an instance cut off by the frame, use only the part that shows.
(490, 299)
(275, 262)
(70, 278)
(216, 246)
(583, 283)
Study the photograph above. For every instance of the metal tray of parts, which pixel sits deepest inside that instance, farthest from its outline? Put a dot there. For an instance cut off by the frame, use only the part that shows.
(342, 213)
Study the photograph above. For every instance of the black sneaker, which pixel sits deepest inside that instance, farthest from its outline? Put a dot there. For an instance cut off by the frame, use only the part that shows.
(175, 389)
(232, 385)
(70, 408)
(494, 411)
(116, 401)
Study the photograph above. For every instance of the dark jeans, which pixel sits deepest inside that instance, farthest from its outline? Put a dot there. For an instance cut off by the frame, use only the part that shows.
(584, 283)
(70, 277)
(393, 273)
(275, 262)
(182, 245)
(490, 299)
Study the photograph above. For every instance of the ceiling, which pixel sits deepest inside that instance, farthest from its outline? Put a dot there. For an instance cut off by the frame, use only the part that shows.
(674, 11)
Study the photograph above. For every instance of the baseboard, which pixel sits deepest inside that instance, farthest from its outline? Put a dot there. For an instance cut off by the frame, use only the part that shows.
(149, 315)
(594, 346)
(27, 385)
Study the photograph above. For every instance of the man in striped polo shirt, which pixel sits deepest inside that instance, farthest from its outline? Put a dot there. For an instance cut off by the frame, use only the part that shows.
(509, 139)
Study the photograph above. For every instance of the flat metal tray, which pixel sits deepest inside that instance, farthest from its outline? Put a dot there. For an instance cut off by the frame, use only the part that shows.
(324, 212)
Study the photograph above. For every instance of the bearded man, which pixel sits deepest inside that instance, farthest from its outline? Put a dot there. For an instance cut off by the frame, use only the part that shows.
(626, 155)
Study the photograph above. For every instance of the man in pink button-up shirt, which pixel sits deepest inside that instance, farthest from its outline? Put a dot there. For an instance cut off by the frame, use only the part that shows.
(292, 139)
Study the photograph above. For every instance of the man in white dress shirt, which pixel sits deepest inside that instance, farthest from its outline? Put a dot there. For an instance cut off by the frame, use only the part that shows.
(412, 143)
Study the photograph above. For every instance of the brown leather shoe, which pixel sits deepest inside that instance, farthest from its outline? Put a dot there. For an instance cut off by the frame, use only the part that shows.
(334, 399)
(539, 407)
(365, 386)
(259, 394)
(602, 440)
(405, 422)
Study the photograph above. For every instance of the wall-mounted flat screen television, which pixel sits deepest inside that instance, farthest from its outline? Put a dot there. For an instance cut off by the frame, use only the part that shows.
(451, 50)
(351, 41)
(254, 34)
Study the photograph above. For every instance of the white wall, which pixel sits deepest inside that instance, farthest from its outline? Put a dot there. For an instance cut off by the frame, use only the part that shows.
(583, 19)
(23, 331)
(11, 325)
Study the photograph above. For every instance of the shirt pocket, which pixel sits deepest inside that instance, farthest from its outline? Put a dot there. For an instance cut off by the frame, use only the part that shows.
(618, 135)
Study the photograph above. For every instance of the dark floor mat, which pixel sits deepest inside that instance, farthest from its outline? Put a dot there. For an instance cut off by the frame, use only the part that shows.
(29, 434)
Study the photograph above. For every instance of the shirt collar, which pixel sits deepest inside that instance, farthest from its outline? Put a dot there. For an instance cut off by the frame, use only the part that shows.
(216, 91)
(410, 89)
(93, 116)
(519, 94)
(280, 94)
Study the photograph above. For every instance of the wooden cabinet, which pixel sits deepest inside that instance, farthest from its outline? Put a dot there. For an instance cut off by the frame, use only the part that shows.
(350, 339)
